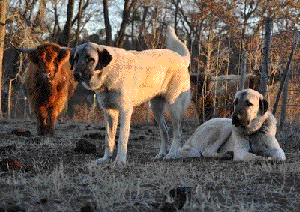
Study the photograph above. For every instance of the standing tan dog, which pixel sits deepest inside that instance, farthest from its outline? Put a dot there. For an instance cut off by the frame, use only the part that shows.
(250, 134)
(123, 79)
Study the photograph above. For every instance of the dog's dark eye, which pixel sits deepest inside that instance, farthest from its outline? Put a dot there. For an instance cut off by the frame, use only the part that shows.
(249, 103)
(90, 59)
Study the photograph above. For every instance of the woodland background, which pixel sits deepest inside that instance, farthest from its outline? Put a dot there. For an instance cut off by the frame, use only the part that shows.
(217, 33)
(224, 37)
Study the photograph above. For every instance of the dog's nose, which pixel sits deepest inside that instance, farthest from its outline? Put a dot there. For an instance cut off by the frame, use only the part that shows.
(77, 76)
(235, 120)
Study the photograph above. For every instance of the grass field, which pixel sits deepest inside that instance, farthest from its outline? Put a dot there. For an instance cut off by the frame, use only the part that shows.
(56, 178)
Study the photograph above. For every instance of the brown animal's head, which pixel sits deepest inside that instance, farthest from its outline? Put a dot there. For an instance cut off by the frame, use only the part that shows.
(248, 105)
(89, 61)
(48, 70)
(49, 59)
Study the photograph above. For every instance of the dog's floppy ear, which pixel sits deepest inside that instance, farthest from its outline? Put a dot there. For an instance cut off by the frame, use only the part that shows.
(104, 59)
(263, 105)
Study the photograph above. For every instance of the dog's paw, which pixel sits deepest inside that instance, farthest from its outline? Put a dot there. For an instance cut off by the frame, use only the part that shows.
(208, 154)
(171, 156)
(118, 163)
(120, 160)
(104, 160)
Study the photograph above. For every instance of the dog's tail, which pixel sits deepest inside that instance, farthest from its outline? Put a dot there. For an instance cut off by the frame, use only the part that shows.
(174, 44)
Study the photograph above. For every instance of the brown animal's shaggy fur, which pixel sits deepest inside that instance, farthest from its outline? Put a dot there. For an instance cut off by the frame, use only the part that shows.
(49, 84)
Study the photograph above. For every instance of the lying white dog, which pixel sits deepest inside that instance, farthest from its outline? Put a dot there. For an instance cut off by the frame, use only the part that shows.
(250, 134)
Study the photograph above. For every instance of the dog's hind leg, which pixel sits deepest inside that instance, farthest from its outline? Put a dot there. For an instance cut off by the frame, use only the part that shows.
(158, 106)
(177, 110)
(111, 120)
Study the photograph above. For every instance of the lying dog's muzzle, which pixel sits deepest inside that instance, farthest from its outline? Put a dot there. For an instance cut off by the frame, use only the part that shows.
(235, 120)
(238, 121)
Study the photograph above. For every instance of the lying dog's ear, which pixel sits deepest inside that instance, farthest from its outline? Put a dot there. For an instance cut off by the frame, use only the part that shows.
(104, 59)
(263, 105)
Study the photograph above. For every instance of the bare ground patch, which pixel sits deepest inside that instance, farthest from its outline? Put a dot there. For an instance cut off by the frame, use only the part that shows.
(57, 178)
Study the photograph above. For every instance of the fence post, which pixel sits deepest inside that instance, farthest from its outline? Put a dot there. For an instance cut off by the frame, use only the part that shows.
(265, 64)
(243, 71)
(286, 72)
(25, 110)
(9, 97)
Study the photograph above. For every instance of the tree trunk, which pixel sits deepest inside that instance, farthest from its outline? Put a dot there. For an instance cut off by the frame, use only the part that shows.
(142, 29)
(56, 28)
(64, 38)
(265, 65)
(2, 36)
(78, 22)
(108, 29)
(176, 15)
(125, 20)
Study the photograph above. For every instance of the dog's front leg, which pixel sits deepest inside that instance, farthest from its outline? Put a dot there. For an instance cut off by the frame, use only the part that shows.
(242, 148)
(125, 116)
(111, 120)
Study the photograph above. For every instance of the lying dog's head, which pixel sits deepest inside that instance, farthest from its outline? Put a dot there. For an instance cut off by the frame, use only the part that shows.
(89, 60)
(248, 105)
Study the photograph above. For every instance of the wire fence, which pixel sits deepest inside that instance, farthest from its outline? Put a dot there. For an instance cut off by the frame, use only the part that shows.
(221, 103)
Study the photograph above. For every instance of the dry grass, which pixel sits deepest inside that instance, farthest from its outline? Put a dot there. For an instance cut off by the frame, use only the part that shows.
(58, 179)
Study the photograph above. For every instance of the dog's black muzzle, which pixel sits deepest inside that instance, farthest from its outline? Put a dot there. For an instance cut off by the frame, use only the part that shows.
(78, 76)
(82, 76)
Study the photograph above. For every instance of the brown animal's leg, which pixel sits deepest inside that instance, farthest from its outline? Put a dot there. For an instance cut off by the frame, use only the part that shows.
(158, 106)
(41, 121)
(53, 113)
(111, 119)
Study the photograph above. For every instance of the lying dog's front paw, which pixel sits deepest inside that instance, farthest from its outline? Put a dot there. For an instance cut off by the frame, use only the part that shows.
(159, 156)
(208, 154)
(104, 160)
(171, 156)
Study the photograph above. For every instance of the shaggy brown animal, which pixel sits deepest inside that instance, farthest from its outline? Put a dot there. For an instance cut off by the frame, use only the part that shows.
(49, 83)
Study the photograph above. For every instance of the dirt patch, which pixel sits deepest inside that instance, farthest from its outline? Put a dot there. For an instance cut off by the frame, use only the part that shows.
(58, 177)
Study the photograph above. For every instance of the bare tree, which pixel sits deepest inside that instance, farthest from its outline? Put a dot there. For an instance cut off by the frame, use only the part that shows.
(108, 29)
(2, 36)
(129, 5)
(64, 38)
(56, 28)
(40, 16)
(176, 3)
(142, 28)
(78, 21)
